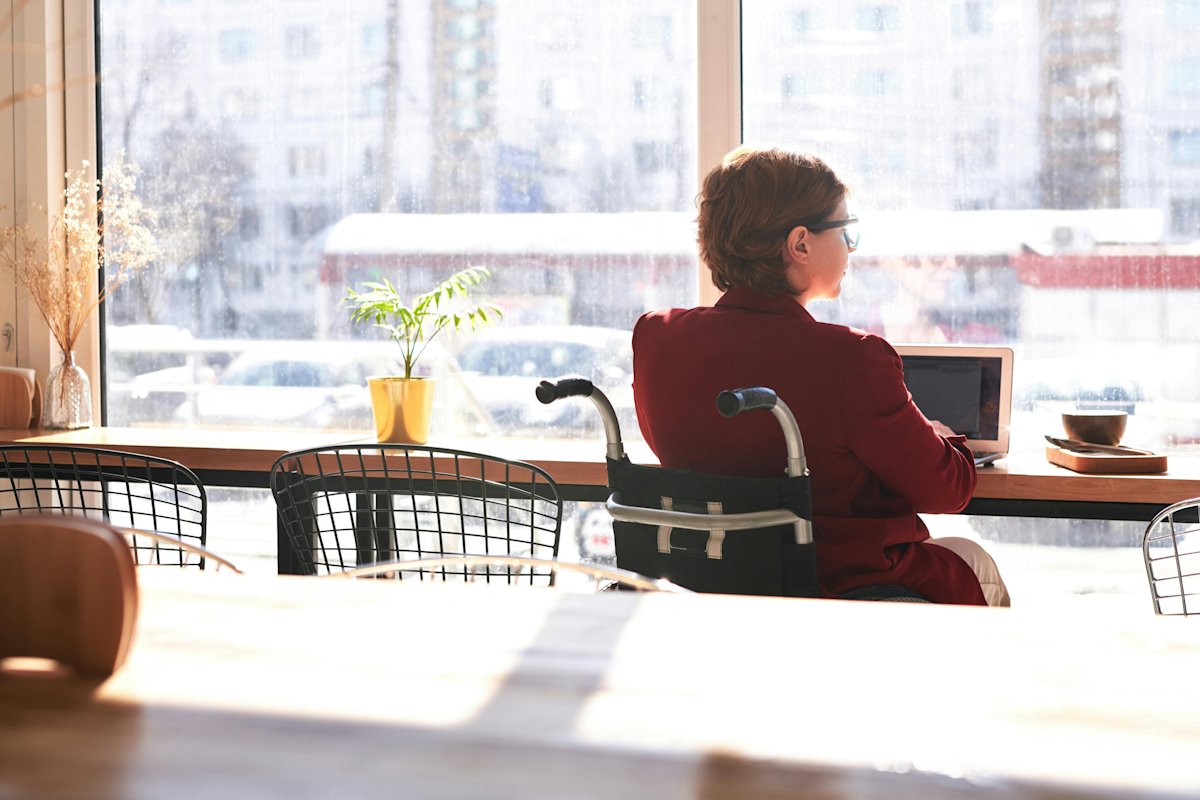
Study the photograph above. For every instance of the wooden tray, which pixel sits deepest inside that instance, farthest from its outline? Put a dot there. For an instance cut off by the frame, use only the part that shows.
(1106, 463)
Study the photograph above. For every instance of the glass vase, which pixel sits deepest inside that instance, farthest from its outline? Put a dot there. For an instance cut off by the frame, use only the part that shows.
(68, 397)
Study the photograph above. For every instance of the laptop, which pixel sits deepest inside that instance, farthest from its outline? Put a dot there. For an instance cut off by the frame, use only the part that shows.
(968, 388)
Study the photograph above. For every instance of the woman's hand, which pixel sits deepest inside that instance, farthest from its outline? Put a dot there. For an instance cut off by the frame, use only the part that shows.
(941, 429)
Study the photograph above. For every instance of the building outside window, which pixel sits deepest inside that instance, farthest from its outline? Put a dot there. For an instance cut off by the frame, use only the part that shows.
(503, 128)
(238, 46)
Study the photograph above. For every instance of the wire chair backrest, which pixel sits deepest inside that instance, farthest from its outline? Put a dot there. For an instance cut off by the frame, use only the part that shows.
(124, 490)
(1171, 547)
(350, 506)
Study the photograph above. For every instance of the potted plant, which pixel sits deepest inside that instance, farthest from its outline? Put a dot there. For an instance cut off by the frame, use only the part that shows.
(403, 405)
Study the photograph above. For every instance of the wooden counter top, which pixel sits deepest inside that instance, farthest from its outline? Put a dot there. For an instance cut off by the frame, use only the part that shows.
(303, 688)
(1018, 477)
(1031, 477)
(253, 451)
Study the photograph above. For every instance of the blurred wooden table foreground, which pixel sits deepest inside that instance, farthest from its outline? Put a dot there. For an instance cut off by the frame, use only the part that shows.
(295, 687)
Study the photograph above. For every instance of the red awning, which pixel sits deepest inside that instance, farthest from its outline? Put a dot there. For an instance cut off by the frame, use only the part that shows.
(1109, 271)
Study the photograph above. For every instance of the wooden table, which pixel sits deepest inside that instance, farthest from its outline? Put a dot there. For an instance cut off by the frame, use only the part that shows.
(220, 457)
(294, 687)
(1020, 485)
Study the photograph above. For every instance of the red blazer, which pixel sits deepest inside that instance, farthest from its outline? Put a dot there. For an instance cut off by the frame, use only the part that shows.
(875, 460)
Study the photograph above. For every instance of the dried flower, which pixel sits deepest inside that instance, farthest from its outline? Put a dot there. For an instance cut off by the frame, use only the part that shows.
(115, 230)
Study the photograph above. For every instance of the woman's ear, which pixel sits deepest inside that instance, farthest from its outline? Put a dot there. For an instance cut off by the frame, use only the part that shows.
(795, 247)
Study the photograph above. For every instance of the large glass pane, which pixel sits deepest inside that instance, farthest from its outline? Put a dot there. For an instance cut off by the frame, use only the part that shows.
(295, 149)
(1027, 172)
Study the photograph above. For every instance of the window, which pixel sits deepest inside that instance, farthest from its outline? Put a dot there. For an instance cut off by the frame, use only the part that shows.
(466, 88)
(971, 17)
(239, 103)
(249, 224)
(552, 142)
(800, 23)
(467, 58)
(465, 28)
(306, 162)
(374, 96)
(238, 46)
(879, 19)
(1184, 76)
(300, 42)
(652, 93)
(1185, 217)
(1183, 13)
(374, 40)
(1184, 147)
(879, 83)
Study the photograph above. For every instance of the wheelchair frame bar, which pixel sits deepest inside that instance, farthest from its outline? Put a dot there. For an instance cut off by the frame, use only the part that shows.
(700, 522)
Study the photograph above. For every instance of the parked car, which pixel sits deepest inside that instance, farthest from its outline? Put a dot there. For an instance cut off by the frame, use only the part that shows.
(322, 386)
(502, 366)
(149, 368)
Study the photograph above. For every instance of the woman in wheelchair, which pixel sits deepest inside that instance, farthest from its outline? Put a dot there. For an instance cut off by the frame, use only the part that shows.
(775, 233)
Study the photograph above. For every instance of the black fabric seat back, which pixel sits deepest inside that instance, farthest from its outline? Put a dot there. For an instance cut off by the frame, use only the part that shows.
(765, 561)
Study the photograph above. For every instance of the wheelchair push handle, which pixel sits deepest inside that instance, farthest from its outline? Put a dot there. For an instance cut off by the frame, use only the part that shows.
(750, 398)
(732, 403)
(549, 391)
(574, 386)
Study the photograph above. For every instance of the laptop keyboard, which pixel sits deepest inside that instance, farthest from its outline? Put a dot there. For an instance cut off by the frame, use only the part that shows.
(983, 459)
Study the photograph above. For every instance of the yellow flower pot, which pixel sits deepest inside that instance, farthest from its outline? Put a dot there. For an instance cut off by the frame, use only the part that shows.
(402, 408)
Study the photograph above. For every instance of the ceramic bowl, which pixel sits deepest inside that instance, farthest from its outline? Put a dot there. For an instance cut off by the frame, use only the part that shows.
(1097, 427)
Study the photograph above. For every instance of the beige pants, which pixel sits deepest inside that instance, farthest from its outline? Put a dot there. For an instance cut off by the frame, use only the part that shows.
(994, 590)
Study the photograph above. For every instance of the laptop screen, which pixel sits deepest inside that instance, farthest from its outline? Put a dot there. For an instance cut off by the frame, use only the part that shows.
(961, 392)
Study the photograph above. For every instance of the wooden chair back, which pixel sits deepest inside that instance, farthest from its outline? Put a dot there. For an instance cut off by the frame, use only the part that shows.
(68, 591)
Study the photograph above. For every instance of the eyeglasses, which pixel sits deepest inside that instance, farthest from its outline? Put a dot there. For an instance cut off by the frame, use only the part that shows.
(849, 229)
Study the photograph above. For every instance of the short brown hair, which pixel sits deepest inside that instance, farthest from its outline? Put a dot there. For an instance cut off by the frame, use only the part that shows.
(750, 203)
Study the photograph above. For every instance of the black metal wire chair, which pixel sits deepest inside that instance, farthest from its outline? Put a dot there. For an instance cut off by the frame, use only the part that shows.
(122, 489)
(605, 577)
(1171, 549)
(350, 506)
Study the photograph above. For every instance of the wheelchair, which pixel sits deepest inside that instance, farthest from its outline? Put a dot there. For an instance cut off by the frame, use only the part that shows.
(713, 533)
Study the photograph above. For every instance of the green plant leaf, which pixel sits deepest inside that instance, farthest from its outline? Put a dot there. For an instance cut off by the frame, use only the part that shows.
(413, 328)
